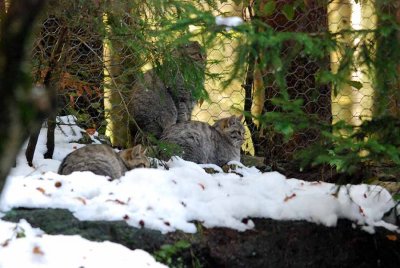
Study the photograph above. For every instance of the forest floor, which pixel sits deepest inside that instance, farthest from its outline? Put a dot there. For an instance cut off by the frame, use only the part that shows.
(234, 216)
(270, 244)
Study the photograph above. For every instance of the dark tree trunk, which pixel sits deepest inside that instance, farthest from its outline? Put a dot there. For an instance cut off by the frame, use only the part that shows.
(51, 126)
(300, 80)
(20, 110)
(51, 81)
(30, 150)
(2, 10)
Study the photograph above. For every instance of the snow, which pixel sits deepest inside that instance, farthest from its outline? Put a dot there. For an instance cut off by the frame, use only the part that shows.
(228, 21)
(170, 200)
(24, 246)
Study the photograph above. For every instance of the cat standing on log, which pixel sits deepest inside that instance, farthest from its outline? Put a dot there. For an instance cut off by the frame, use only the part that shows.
(155, 104)
(101, 159)
(205, 144)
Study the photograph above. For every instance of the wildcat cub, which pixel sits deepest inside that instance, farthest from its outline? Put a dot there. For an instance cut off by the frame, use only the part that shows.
(202, 143)
(101, 159)
(156, 104)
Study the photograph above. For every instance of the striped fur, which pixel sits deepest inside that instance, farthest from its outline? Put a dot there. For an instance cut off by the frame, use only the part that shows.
(202, 143)
(156, 105)
(101, 159)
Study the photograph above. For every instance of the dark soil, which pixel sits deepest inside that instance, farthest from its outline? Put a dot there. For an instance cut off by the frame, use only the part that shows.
(270, 244)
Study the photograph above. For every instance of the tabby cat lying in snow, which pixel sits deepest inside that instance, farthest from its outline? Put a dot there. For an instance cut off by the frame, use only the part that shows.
(101, 159)
(202, 143)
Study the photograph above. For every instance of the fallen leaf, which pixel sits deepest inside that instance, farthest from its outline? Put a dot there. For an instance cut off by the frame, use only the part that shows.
(202, 186)
(6, 243)
(392, 237)
(126, 217)
(81, 199)
(90, 131)
(37, 250)
(361, 210)
(58, 184)
(116, 201)
(141, 223)
(287, 198)
(167, 223)
(183, 203)
(40, 189)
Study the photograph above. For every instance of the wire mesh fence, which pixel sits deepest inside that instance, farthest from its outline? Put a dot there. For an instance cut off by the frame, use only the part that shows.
(97, 66)
(300, 80)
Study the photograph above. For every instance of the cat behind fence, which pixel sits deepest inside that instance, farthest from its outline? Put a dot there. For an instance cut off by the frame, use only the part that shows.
(156, 105)
(202, 143)
(101, 159)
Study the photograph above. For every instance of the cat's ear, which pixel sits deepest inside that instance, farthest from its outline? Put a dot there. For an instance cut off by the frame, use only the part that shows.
(126, 154)
(136, 150)
(223, 123)
(233, 119)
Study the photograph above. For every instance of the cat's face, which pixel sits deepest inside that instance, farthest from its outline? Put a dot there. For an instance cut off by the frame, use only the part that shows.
(135, 157)
(232, 128)
(194, 52)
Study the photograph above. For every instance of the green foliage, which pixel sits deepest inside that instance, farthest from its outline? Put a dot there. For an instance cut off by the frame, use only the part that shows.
(147, 32)
(163, 150)
(169, 254)
(288, 121)
(374, 141)
(346, 147)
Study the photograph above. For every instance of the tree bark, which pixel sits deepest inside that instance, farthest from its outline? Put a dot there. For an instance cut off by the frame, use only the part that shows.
(116, 86)
(51, 82)
(21, 107)
(2, 10)
(30, 150)
(51, 127)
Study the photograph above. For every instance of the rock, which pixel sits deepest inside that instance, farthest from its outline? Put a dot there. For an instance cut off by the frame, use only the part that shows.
(61, 221)
(256, 161)
(270, 244)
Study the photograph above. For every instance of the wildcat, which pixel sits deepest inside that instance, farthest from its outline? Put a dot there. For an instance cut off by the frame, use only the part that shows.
(203, 144)
(101, 159)
(156, 105)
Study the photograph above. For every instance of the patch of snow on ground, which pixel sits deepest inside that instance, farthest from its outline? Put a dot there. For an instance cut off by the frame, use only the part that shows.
(169, 200)
(24, 246)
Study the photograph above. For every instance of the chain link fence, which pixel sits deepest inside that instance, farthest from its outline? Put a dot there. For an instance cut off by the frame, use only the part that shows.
(300, 80)
(87, 67)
